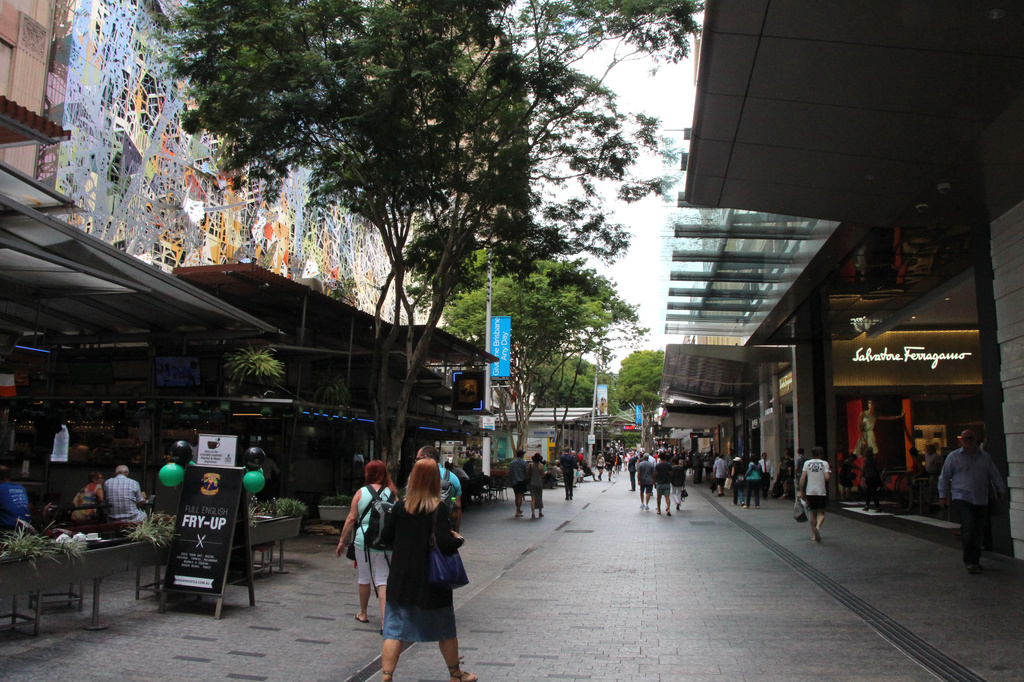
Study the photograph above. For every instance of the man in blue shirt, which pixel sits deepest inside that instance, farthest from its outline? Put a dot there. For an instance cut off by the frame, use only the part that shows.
(447, 478)
(14, 505)
(967, 477)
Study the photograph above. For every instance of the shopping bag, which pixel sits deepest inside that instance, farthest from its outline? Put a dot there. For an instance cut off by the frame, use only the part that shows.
(800, 510)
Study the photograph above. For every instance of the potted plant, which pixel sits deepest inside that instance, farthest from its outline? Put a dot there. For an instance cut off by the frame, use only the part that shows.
(332, 389)
(334, 507)
(254, 365)
(275, 520)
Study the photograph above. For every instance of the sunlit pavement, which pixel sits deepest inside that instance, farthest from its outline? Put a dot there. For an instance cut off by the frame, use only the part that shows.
(597, 590)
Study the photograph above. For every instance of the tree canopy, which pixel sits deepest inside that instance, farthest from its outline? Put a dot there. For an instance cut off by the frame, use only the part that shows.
(559, 313)
(639, 382)
(448, 125)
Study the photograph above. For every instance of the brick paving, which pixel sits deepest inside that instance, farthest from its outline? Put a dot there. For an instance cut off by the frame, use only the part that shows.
(597, 590)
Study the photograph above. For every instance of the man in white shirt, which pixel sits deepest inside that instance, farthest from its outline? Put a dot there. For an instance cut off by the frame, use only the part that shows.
(814, 489)
(767, 474)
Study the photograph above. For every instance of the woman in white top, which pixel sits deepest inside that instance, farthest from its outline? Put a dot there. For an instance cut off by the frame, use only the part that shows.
(373, 565)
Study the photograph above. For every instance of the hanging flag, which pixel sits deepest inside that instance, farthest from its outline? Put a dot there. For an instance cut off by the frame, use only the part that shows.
(7, 386)
(639, 414)
(501, 346)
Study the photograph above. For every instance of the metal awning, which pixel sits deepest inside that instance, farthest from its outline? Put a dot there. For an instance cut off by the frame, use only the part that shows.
(873, 112)
(697, 376)
(60, 284)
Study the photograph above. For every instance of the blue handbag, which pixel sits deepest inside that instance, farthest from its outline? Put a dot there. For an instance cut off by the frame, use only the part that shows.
(446, 571)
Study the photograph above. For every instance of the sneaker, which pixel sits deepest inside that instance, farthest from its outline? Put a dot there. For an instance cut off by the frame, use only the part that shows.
(642, 506)
(746, 507)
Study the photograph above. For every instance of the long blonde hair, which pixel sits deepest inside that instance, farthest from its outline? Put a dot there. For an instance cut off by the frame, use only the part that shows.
(423, 493)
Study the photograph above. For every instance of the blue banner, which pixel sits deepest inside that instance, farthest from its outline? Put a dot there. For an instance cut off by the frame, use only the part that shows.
(501, 347)
(639, 414)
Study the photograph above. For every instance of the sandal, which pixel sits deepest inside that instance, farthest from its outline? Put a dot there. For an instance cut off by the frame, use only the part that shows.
(386, 676)
(455, 673)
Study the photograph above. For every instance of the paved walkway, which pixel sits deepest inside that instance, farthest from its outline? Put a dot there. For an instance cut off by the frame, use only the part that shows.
(597, 590)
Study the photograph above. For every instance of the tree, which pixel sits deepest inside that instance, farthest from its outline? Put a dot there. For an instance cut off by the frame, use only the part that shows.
(560, 312)
(639, 381)
(446, 124)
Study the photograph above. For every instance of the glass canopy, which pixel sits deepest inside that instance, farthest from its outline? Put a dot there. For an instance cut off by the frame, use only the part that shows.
(727, 268)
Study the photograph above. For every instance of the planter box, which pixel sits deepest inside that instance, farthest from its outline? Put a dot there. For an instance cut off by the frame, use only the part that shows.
(274, 530)
(24, 577)
(332, 513)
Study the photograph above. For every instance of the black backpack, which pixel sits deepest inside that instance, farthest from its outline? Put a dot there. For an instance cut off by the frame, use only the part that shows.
(380, 511)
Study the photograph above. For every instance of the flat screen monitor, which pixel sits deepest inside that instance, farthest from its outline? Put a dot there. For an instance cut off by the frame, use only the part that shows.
(177, 371)
(88, 372)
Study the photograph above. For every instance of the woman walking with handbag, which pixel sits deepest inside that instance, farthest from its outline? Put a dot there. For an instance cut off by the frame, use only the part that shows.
(416, 611)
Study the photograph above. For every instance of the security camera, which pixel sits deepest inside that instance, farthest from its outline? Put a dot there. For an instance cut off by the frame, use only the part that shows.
(921, 208)
(943, 187)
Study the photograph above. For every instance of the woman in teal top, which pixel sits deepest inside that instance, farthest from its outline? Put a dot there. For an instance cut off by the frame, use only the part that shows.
(373, 565)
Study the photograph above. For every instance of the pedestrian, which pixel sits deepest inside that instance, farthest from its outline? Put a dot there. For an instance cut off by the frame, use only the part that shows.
(846, 475)
(416, 611)
(720, 470)
(535, 479)
(932, 467)
(678, 481)
(372, 564)
(753, 478)
(517, 479)
(15, 511)
(870, 480)
(814, 489)
(568, 464)
(767, 473)
(609, 464)
(736, 475)
(969, 477)
(600, 465)
(631, 468)
(645, 473)
(663, 483)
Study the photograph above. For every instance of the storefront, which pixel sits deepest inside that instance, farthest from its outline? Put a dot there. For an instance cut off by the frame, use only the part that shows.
(907, 389)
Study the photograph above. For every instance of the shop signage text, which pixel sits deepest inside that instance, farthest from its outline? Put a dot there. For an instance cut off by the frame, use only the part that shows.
(910, 354)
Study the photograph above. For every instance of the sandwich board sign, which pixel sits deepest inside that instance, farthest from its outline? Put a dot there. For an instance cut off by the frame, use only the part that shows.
(211, 530)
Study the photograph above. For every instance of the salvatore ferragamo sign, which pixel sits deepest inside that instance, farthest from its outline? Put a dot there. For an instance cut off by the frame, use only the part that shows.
(908, 359)
(909, 354)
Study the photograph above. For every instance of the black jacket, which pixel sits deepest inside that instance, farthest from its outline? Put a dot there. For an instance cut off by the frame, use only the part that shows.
(407, 582)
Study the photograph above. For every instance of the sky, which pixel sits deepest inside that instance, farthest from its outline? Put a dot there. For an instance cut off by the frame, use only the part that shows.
(640, 275)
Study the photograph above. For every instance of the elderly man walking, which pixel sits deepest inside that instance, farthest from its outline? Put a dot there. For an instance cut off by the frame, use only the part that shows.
(967, 477)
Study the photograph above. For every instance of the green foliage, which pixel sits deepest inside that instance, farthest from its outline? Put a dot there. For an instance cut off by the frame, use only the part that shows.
(560, 312)
(335, 500)
(639, 380)
(332, 389)
(255, 364)
(25, 544)
(158, 530)
(448, 125)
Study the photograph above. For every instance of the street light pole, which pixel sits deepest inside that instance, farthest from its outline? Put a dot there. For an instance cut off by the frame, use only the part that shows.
(593, 416)
(486, 455)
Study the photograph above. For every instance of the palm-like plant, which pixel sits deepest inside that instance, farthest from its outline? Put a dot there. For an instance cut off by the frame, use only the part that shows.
(256, 364)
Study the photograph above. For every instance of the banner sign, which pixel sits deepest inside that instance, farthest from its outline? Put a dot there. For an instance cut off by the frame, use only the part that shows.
(602, 400)
(218, 451)
(639, 414)
(501, 347)
(204, 529)
(487, 423)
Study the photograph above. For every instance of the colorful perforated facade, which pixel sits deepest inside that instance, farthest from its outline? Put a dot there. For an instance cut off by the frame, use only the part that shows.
(151, 189)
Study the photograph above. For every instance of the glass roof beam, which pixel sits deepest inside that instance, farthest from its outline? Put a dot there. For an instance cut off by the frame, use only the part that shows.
(731, 257)
(716, 232)
(731, 277)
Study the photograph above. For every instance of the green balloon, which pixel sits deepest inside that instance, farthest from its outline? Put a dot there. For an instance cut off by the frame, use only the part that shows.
(254, 481)
(172, 475)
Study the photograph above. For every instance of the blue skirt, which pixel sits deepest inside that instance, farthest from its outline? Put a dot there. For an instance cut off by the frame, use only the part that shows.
(412, 624)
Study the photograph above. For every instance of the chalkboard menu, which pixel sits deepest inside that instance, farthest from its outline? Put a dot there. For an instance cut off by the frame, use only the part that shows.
(205, 529)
